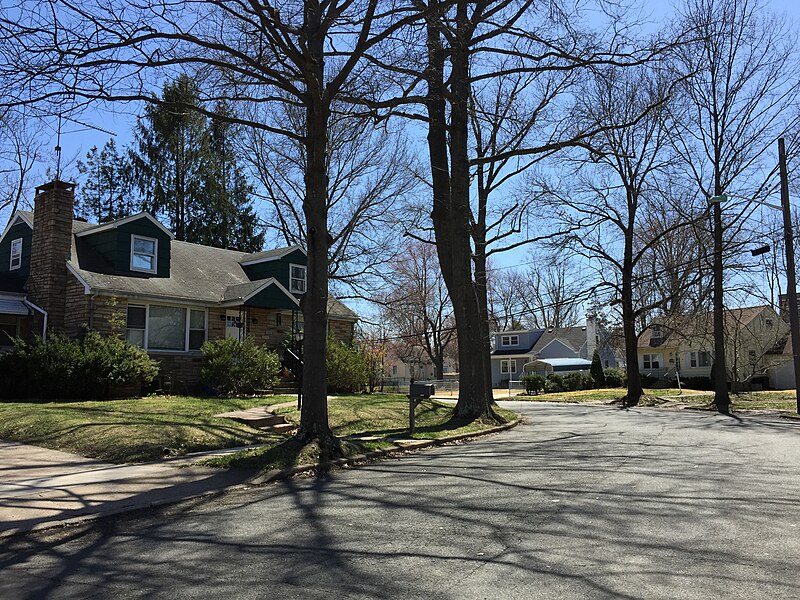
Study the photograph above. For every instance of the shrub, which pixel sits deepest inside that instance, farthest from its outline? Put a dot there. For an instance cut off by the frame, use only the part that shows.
(596, 371)
(533, 383)
(555, 383)
(648, 380)
(615, 377)
(348, 370)
(239, 367)
(66, 368)
(578, 381)
(698, 383)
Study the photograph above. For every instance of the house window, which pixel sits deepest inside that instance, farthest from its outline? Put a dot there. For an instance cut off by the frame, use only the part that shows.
(394, 369)
(16, 254)
(278, 320)
(656, 333)
(698, 358)
(508, 366)
(297, 279)
(144, 252)
(768, 323)
(136, 325)
(751, 355)
(509, 340)
(9, 329)
(156, 327)
(651, 361)
(197, 329)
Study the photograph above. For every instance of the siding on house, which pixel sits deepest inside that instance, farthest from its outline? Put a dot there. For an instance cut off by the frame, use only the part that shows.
(17, 231)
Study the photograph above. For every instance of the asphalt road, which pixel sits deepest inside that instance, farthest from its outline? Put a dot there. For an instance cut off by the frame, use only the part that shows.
(579, 502)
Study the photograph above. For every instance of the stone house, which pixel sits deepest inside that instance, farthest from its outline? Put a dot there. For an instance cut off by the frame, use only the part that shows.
(132, 278)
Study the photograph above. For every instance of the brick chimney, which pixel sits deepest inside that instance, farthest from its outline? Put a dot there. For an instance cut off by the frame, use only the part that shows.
(51, 248)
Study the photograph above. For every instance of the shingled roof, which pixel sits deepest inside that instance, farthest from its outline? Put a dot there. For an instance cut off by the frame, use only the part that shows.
(198, 273)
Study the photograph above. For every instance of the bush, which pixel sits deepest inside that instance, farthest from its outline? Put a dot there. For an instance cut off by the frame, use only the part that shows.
(533, 383)
(348, 370)
(578, 381)
(66, 368)
(648, 380)
(596, 371)
(698, 383)
(615, 377)
(555, 383)
(239, 367)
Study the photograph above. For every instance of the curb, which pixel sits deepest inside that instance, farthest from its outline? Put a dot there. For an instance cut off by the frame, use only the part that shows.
(259, 479)
(281, 474)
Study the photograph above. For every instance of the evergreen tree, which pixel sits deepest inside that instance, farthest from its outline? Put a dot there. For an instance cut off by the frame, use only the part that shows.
(225, 218)
(596, 371)
(106, 193)
(188, 170)
(170, 139)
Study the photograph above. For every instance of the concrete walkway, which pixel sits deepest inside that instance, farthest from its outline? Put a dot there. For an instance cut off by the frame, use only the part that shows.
(42, 488)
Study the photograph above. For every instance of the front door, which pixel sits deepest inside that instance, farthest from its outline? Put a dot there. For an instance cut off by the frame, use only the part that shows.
(234, 325)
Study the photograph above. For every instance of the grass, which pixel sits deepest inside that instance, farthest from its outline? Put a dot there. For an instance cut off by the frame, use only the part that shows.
(783, 400)
(147, 429)
(363, 423)
(134, 430)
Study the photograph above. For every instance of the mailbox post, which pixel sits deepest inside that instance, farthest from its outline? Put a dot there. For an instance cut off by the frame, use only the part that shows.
(417, 392)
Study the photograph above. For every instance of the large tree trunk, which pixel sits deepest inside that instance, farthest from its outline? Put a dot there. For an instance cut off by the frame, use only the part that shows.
(451, 210)
(314, 410)
(635, 391)
(721, 397)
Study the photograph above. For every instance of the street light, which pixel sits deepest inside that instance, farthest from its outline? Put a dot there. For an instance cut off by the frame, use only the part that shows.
(791, 276)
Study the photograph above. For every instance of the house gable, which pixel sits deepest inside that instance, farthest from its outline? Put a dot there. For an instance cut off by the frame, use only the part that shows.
(112, 246)
(19, 229)
(557, 349)
(277, 268)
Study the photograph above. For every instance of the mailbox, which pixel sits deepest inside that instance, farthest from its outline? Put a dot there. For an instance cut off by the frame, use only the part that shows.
(422, 390)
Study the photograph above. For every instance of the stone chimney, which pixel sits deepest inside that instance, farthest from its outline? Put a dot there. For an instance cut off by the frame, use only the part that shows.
(51, 248)
(591, 333)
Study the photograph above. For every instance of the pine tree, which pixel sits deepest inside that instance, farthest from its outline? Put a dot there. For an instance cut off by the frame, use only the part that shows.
(189, 171)
(596, 371)
(168, 161)
(106, 193)
(225, 218)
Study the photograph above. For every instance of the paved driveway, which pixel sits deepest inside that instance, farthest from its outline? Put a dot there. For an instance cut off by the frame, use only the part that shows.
(580, 502)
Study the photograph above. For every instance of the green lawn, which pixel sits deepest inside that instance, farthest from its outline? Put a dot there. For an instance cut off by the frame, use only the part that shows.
(151, 428)
(363, 423)
(775, 400)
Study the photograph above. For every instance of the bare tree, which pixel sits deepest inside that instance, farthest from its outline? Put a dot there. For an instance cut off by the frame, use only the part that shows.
(619, 180)
(370, 174)
(549, 292)
(418, 309)
(741, 74)
(21, 149)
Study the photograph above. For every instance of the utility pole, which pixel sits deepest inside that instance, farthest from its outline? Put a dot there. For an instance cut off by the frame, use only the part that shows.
(791, 277)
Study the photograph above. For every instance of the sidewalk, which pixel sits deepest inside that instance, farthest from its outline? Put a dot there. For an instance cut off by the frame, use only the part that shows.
(41, 487)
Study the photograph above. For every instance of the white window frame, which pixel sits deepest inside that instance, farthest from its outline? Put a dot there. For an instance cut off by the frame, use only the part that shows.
(508, 366)
(509, 340)
(694, 359)
(18, 255)
(292, 289)
(649, 359)
(155, 255)
(188, 310)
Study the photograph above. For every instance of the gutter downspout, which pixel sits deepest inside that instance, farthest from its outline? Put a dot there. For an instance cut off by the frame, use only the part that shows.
(43, 312)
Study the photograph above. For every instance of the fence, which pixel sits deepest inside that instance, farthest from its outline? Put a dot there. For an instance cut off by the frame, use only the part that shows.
(400, 385)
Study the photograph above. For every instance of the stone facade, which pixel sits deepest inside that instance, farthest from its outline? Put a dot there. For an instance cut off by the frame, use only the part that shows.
(51, 246)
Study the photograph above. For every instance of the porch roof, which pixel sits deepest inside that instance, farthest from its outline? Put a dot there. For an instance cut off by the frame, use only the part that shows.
(12, 305)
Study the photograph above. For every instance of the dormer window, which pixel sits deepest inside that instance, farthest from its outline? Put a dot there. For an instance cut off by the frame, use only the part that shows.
(509, 340)
(144, 254)
(656, 333)
(16, 254)
(297, 279)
